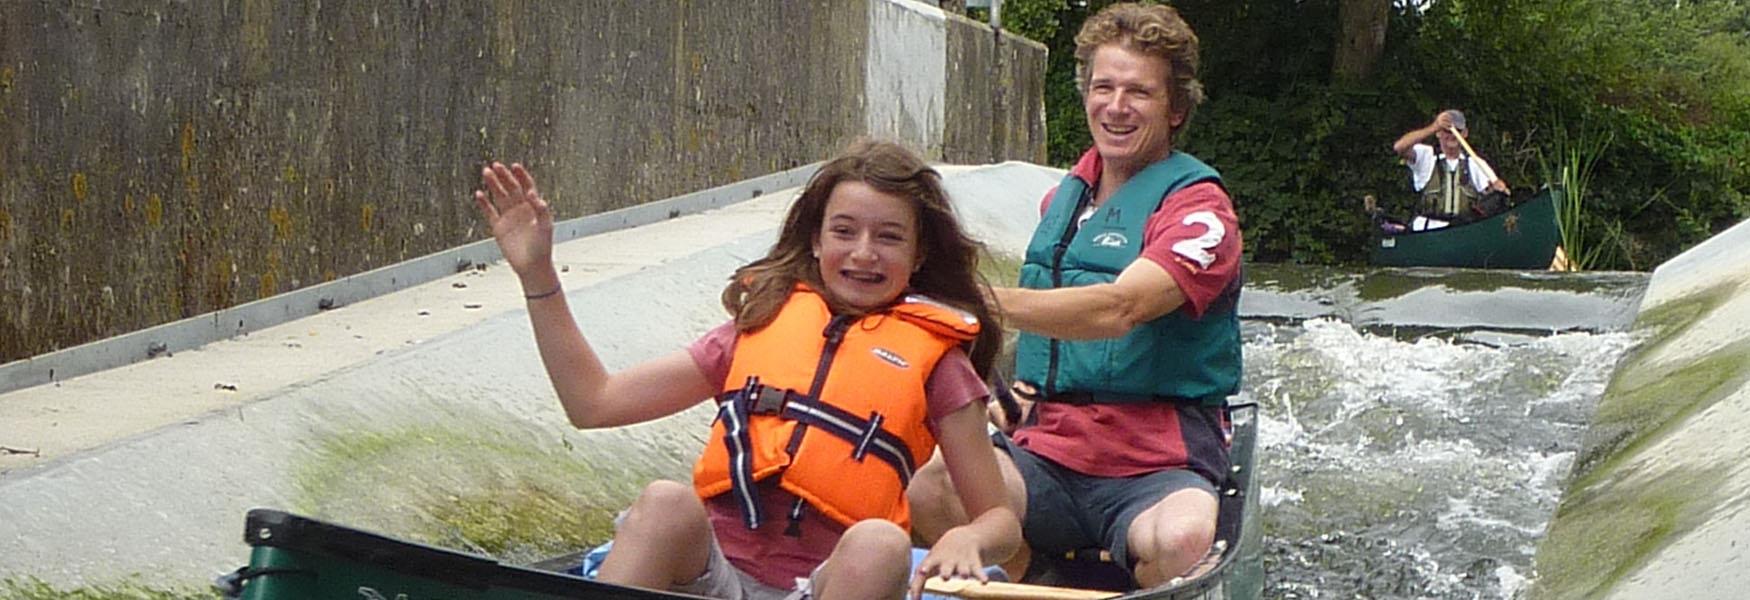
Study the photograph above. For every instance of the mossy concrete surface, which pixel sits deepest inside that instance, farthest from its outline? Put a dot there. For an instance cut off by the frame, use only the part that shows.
(1654, 507)
(478, 488)
(30, 588)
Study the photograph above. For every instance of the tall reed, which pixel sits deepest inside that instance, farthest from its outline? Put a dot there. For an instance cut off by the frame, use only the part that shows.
(1571, 171)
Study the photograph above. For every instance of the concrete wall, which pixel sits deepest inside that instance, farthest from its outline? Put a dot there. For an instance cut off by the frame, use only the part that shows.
(1655, 505)
(993, 97)
(162, 159)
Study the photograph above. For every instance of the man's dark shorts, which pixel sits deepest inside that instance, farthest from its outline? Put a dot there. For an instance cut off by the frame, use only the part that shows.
(1068, 511)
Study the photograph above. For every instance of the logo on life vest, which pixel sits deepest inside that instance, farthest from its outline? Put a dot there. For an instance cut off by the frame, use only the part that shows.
(1110, 239)
(891, 358)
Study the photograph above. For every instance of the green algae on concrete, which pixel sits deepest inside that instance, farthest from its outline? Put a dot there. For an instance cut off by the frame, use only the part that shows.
(1646, 399)
(1643, 407)
(31, 588)
(1595, 542)
(518, 498)
(1616, 517)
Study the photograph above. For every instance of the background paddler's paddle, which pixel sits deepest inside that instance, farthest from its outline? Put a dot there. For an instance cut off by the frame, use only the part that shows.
(1461, 141)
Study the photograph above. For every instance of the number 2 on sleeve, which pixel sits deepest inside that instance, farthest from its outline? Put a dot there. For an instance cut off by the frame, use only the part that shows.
(1197, 249)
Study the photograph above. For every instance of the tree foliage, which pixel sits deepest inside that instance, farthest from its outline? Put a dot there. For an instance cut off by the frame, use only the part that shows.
(1667, 82)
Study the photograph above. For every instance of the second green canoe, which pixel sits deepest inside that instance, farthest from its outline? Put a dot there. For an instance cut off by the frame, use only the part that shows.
(1523, 237)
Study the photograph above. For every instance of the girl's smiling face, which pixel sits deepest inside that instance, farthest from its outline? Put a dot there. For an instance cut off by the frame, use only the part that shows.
(867, 246)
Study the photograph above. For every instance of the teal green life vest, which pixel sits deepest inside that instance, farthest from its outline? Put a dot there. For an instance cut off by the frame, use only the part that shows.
(1174, 358)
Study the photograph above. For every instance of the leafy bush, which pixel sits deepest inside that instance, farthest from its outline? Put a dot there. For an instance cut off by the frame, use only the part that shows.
(1668, 83)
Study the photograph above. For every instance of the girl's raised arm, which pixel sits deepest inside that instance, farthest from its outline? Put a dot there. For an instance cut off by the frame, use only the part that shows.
(522, 223)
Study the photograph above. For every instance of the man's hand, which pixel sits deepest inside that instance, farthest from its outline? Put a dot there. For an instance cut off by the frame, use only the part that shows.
(1016, 404)
(1443, 121)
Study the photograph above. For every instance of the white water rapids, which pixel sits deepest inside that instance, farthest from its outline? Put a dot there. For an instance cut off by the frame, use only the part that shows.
(1414, 466)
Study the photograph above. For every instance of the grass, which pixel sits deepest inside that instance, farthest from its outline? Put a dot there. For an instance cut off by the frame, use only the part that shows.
(999, 269)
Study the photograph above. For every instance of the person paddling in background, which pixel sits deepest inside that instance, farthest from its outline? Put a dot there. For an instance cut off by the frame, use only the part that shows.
(855, 347)
(1454, 185)
(1130, 337)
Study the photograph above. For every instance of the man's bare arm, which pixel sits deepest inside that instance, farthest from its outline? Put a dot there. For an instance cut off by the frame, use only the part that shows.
(1143, 292)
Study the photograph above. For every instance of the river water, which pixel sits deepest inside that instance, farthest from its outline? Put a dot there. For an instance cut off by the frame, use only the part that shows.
(1417, 426)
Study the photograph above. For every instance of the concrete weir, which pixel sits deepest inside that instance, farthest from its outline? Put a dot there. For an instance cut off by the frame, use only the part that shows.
(1655, 505)
(422, 413)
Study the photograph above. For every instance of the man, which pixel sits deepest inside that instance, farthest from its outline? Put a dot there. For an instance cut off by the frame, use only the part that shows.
(1453, 184)
(1127, 305)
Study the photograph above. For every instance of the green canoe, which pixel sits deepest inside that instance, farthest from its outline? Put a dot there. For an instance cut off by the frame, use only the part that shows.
(1523, 237)
(294, 557)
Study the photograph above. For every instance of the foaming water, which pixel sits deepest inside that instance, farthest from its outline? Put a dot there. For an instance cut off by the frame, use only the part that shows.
(1414, 468)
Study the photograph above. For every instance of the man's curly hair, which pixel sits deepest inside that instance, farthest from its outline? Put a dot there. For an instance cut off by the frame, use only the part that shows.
(1153, 30)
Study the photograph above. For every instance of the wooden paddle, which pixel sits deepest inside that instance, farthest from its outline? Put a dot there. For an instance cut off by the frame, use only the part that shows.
(1472, 152)
(1461, 141)
(997, 590)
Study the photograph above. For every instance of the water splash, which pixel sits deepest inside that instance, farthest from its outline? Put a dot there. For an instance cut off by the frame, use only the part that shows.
(1420, 467)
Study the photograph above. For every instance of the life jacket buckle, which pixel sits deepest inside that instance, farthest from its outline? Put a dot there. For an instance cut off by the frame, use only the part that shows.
(768, 400)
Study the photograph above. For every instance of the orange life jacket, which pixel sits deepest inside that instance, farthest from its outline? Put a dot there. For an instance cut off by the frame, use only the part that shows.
(831, 405)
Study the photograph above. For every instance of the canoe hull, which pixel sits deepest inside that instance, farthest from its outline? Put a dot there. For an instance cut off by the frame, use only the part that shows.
(1524, 237)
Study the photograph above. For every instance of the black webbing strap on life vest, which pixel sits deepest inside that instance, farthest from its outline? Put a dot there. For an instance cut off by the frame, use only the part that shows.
(866, 436)
(733, 411)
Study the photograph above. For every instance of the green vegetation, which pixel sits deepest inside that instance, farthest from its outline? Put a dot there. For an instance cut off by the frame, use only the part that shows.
(1002, 270)
(999, 269)
(1572, 171)
(1666, 85)
(36, 589)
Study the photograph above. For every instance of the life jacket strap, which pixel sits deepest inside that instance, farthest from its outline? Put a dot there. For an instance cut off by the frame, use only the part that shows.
(866, 436)
(738, 440)
(862, 448)
(795, 527)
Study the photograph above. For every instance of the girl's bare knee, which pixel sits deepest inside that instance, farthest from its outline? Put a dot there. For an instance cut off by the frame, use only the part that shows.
(872, 560)
(876, 538)
(665, 509)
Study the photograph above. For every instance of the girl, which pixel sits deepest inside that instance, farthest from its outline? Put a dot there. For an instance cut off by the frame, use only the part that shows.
(854, 349)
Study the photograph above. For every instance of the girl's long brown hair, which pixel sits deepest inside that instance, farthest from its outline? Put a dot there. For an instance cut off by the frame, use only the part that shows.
(949, 273)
